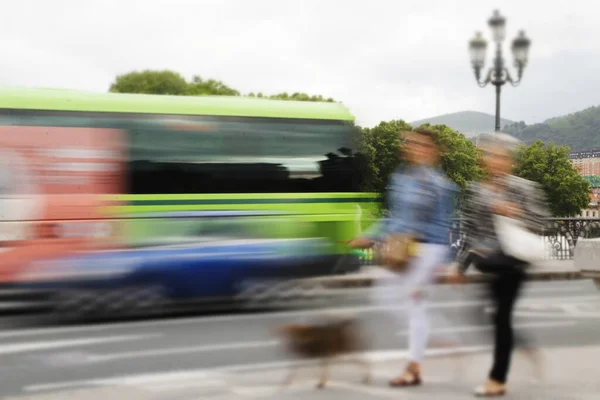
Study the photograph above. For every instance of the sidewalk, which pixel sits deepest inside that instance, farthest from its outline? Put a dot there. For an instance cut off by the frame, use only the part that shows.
(547, 271)
(570, 374)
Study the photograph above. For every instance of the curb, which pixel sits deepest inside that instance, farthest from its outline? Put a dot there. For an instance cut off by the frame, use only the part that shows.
(347, 281)
(591, 274)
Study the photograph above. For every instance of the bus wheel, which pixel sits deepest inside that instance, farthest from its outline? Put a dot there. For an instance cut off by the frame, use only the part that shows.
(151, 299)
(252, 294)
(133, 301)
(74, 305)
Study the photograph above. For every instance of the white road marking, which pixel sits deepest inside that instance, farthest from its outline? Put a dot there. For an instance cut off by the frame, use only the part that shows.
(182, 350)
(559, 311)
(273, 315)
(266, 391)
(56, 344)
(208, 383)
(540, 290)
(208, 373)
(368, 390)
(393, 355)
(362, 292)
(95, 358)
(479, 328)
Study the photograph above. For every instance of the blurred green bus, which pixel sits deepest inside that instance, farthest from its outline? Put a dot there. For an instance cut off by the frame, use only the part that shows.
(129, 170)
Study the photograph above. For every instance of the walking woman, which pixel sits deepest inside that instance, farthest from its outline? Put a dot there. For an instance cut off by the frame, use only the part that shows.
(507, 195)
(420, 202)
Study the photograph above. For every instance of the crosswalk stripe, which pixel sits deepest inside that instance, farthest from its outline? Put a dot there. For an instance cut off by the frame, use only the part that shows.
(56, 344)
(207, 373)
(479, 328)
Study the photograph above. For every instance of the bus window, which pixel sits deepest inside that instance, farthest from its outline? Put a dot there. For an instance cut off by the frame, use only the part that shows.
(170, 154)
(241, 155)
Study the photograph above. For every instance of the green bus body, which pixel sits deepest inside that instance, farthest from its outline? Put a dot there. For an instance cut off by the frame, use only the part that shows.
(69, 100)
(266, 158)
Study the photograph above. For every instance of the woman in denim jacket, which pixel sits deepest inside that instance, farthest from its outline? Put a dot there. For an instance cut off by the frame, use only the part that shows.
(421, 200)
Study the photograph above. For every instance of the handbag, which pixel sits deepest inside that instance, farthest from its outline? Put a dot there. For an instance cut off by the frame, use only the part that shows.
(397, 251)
(518, 242)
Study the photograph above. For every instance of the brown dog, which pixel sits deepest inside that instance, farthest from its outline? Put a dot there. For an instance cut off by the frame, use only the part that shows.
(325, 342)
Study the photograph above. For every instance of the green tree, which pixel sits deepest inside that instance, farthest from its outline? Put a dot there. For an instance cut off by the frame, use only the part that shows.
(548, 164)
(201, 87)
(578, 130)
(150, 82)
(173, 83)
(294, 96)
(381, 146)
(460, 157)
(169, 82)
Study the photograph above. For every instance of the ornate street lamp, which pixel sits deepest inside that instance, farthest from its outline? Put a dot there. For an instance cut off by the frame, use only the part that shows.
(498, 74)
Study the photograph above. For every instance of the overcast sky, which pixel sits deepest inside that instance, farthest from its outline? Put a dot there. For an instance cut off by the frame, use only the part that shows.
(385, 59)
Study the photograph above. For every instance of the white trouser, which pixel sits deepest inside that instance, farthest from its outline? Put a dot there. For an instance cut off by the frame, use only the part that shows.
(395, 290)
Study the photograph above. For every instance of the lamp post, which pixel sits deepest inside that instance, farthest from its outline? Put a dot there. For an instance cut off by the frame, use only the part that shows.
(498, 74)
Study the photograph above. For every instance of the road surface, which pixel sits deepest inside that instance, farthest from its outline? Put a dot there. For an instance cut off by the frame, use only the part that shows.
(40, 359)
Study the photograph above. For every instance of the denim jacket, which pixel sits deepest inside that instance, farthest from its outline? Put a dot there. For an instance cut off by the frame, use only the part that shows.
(420, 201)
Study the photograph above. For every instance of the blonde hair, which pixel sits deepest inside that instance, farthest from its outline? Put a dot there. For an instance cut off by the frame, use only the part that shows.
(498, 139)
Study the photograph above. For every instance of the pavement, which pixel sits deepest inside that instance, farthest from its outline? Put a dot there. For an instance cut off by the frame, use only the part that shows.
(548, 270)
(237, 356)
(578, 381)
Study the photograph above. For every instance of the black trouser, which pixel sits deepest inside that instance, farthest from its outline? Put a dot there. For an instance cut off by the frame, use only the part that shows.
(507, 278)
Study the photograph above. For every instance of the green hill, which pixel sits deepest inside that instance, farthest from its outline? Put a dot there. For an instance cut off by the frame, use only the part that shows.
(580, 130)
(470, 123)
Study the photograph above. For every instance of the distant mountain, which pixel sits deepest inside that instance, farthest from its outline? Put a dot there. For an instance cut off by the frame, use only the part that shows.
(470, 123)
(580, 130)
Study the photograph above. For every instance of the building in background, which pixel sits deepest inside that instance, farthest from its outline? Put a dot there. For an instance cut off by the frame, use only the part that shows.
(587, 163)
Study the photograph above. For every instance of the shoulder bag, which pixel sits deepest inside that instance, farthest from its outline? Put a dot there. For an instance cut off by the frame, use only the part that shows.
(518, 242)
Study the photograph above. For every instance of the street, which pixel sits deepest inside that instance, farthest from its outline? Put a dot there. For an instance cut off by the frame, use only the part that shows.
(198, 354)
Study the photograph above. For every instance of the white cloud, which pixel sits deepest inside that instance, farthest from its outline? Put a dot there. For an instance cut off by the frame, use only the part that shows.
(385, 59)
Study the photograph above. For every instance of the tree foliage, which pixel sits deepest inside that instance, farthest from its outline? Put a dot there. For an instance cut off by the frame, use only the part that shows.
(294, 96)
(382, 144)
(578, 130)
(151, 82)
(460, 157)
(212, 87)
(548, 164)
(169, 82)
(173, 83)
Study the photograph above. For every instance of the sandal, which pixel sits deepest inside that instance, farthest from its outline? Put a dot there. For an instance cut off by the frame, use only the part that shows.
(411, 377)
(488, 390)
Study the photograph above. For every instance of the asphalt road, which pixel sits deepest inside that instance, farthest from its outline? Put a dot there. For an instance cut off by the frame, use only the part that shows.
(38, 357)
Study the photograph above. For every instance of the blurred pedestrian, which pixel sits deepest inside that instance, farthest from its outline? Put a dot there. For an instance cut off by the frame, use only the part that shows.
(503, 194)
(420, 203)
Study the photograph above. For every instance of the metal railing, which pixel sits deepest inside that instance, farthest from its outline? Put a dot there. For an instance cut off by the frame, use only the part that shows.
(559, 234)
